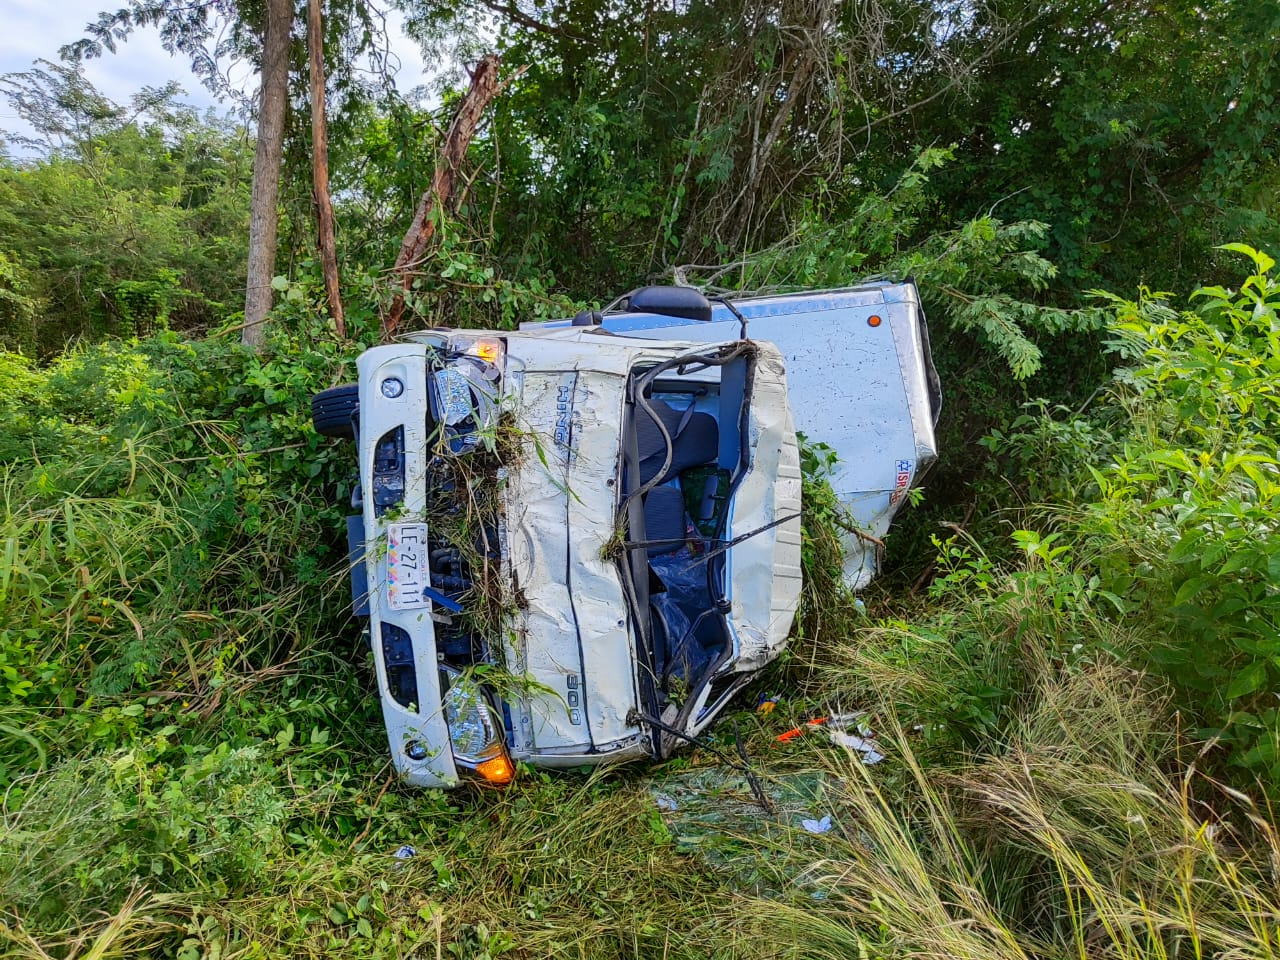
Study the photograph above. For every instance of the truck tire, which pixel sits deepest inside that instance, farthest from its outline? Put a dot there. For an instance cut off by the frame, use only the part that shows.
(333, 410)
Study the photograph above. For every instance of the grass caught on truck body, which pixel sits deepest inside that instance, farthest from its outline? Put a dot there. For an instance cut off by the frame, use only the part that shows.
(605, 512)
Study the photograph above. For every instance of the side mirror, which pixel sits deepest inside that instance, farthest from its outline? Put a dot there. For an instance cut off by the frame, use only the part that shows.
(684, 302)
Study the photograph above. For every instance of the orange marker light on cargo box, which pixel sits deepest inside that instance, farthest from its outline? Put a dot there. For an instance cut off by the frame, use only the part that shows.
(498, 770)
(873, 320)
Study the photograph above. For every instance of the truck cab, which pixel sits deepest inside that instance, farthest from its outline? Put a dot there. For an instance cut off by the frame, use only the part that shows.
(576, 541)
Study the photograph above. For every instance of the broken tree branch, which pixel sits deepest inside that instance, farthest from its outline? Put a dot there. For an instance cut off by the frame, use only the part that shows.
(438, 198)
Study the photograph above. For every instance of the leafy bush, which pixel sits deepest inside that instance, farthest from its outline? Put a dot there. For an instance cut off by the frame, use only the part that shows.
(1190, 507)
(1171, 489)
(131, 219)
(170, 520)
(961, 670)
(17, 308)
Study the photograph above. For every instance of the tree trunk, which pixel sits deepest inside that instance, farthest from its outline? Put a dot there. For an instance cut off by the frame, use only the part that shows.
(436, 201)
(320, 169)
(263, 207)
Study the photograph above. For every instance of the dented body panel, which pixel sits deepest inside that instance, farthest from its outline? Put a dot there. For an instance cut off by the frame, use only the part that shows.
(649, 530)
(868, 392)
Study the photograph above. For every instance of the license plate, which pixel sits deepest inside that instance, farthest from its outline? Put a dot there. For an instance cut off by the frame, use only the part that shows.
(407, 574)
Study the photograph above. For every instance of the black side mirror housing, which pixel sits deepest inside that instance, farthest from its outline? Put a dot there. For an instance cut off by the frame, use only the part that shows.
(684, 302)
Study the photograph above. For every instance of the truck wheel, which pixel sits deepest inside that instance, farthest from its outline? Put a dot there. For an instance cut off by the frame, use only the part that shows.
(333, 410)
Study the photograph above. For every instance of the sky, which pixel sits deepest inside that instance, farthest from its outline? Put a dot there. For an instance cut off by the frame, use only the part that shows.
(34, 29)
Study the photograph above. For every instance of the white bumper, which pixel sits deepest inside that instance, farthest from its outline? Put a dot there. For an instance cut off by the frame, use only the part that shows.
(423, 731)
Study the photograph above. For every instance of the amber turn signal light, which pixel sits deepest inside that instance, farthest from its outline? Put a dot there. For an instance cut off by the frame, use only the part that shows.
(498, 769)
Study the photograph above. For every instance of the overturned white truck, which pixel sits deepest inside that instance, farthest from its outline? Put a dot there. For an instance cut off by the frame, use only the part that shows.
(578, 540)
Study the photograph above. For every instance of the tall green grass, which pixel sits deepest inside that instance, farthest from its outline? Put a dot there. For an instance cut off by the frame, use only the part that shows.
(1078, 839)
(193, 764)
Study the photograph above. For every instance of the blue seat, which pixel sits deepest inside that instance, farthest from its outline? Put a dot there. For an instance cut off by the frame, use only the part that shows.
(695, 440)
(664, 519)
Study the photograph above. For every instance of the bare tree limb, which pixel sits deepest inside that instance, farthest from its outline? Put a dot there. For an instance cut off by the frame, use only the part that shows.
(437, 201)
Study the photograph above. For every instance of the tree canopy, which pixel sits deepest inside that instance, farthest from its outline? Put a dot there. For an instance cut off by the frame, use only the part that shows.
(133, 218)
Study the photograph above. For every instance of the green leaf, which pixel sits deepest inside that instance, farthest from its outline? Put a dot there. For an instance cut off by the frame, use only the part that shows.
(1247, 681)
(1189, 589)
(1263, 262)
(1176, 459)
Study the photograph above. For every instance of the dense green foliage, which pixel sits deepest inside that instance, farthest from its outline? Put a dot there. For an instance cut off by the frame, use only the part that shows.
(645, 137)
(1167, 494)
(132, 221)
(1073, 680)
(1126, 129)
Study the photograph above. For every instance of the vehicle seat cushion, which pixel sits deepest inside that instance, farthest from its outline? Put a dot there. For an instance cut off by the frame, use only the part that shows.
(664, 519)
(695, 440)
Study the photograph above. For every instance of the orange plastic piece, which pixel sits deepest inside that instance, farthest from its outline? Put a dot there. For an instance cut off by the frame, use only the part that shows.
(488, 350)
(796, 731)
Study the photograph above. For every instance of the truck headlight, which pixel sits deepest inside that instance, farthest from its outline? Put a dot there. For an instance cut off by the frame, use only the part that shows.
(467, 392)
(477, 742)
(470, 727)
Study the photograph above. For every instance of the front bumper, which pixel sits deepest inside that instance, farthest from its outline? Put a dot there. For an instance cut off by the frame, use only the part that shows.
(417, 732)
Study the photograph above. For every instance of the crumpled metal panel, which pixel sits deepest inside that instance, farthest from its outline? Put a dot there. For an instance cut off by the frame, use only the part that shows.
(764, 569)
(592, 455)
(548, 651)
(573, 631)
(573, 634)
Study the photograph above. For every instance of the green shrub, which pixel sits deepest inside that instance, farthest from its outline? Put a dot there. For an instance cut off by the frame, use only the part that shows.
(84, 834)
(1190, 508)
(171, 522)
(1169, 491)
(17, 308)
